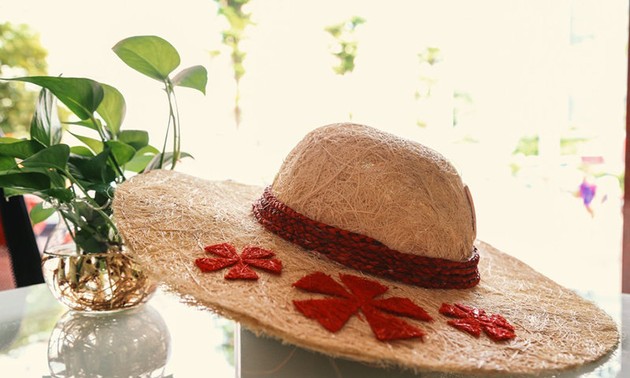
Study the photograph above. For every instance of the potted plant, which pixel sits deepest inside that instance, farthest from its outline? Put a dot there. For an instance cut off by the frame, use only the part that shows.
(78, 182)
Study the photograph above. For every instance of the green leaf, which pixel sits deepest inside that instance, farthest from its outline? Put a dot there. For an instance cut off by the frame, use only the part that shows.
(94, 144)
(148, 150)
(52, 157)
(7, 162)
(89, 169)
(155, 162)
(86, 123)
(141, 159)
(56, 179)
(195, 77)
(135, 138)
(27, 181)
(112, 108)
(149, 55)
(122, 152)
(45, 126)
(64, 195)
(81, 151)
(39, 213)
(82, 96)
(18, 191)
(21, 149)
(138, 163)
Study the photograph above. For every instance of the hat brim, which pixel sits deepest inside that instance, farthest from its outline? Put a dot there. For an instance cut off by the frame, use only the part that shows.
(166, 218)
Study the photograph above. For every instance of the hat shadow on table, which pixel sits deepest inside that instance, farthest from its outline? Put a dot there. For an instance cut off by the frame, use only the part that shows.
(363, 247)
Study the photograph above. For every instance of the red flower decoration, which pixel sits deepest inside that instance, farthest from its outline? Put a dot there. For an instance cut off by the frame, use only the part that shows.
(241, 265)
(472, 320)
(333, 313)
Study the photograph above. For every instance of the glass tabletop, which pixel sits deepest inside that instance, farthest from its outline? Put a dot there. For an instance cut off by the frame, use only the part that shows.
(166, 338)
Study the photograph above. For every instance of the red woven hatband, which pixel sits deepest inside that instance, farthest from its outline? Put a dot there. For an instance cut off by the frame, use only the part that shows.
(362, 252)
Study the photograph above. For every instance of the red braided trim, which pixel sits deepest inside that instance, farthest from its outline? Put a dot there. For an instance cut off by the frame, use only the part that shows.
(362, 252)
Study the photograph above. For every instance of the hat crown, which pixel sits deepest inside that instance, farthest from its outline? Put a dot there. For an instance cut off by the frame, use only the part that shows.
(399, 192)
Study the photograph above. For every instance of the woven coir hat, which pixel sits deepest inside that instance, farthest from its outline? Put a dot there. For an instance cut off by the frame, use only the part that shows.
(364, 247)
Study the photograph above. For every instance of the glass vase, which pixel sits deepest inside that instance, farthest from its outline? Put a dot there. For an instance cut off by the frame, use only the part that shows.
(95, 282)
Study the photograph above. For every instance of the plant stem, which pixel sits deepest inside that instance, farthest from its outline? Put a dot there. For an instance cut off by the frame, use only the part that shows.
(173, 118)
(174, 114)
(110, 154)
(95, 206)
(65, 220)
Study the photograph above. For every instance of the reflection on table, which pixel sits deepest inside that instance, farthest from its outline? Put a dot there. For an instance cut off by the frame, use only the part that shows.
(133, 343)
